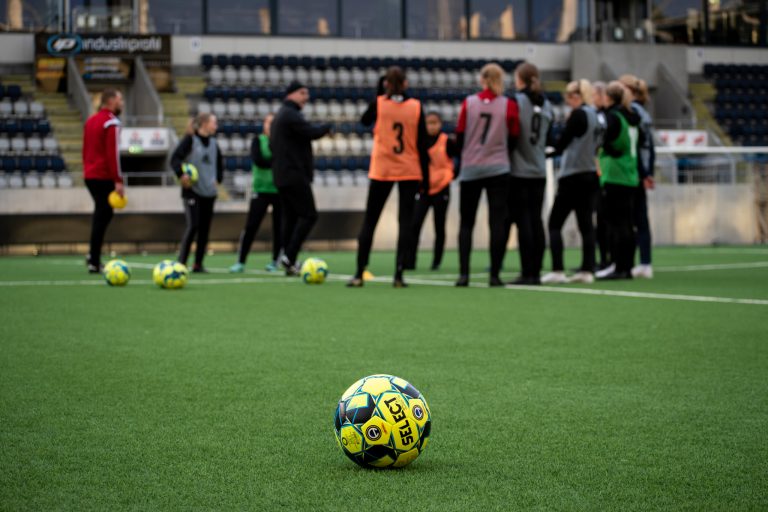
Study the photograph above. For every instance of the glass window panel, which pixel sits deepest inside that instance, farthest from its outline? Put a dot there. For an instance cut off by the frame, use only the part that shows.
(307, 17)
(372, 19)
(436, 19)
(559, 20)
(736, 22)
(239, 17)
(678, 21)
(165, 17)
(498, 19)
(29, 15)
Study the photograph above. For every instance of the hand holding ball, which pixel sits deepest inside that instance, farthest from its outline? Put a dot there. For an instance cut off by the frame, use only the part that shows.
(116, 200)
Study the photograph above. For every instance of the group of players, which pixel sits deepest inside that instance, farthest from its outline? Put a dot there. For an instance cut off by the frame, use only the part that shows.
(501, 144)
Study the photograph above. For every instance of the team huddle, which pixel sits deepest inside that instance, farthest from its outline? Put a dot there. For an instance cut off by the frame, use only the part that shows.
(500, 146)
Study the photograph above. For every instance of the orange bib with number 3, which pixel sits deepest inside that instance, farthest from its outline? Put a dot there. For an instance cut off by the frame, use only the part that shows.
(395, 155)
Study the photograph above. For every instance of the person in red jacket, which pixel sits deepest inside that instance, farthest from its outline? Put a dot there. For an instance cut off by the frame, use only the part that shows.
(101, 168)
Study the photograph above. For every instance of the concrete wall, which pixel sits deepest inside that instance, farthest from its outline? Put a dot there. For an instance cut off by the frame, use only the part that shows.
(680, 214)
(187, 50)
(17, 49)
(700, 55)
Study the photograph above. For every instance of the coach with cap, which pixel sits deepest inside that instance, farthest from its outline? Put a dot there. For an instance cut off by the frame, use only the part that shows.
(293, 169)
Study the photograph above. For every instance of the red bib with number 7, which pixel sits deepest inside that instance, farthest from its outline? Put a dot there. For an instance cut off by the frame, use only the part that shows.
(395, 154)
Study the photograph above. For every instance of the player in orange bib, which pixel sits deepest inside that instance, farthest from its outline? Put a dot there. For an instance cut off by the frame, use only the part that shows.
(442, 150)
(400, 155)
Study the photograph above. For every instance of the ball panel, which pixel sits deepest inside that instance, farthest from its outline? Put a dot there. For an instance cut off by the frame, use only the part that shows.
(377, 432)
(405, 435)
(406, 458)
(392, 407)
(377, 385)
(351, 439)
(351, 390)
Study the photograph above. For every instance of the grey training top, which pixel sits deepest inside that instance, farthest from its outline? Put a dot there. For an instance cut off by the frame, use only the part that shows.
(646, 123)
(529, 158)
(204, 158)
(579, 156)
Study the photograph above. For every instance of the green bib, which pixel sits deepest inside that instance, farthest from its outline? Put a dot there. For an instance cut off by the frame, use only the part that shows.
(262, 178)
(621, 170)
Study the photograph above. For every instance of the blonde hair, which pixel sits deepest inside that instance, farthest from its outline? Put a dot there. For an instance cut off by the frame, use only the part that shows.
(529, 75)
(196, 122)
(638, 87)
(492, 77)
(583, 88)
(619, 94)
(598, 87)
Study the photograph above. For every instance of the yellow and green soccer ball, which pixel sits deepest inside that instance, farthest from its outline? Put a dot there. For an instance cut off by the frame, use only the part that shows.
(382, 421)
(314, 271)
(191, 171)
(170, 274)
(117, 273)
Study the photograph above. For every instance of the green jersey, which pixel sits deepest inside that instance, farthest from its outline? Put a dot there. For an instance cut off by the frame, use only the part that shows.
(622, 169)
(262, 178)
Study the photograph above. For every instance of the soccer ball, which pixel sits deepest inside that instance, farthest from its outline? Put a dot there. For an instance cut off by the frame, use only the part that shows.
(117, 273)
(314, 271)
(170, 274)
(116, 200)
(382, 421)
(191, 171)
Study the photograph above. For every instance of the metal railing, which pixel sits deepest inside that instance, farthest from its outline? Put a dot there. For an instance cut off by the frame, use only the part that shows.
(77, 90)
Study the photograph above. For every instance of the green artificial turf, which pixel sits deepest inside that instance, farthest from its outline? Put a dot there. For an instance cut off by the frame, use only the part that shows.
(221, 396)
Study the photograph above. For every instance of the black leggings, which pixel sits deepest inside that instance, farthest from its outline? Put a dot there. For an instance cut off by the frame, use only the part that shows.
(378, 192)
(300, 217)
(576, 193)
(199, 213)
(601, 232)
(256, 212)
(642, 225)
(102, 215)
(526, 197)
(497, 190)
(619, 216)
(439, 204)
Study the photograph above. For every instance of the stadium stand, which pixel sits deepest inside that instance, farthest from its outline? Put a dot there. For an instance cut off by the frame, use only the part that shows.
(29, 152)
(242, 90)
(741, 103)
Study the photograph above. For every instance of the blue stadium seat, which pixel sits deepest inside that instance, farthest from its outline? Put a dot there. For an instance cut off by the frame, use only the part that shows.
(24, 164)
(264, 61)
(40, 164)
(362, 63)
(226, 127)
(245, 163)
(375, 62)
(305, 62)
(231, 163)
(250, 61)
(236, 61)
(206, 60)
(292, 61)
(28, 126)
(2, 91)
(221, 60)
(11, 127)
(277, 60)
(210, 94)
(321, 163)
(319, 62)
(334, 62)
(56, 164)
(13, 91)
(7, 164)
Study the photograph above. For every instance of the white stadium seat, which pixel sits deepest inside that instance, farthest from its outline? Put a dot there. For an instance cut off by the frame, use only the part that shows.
(18, 144)
(245, 75)
(6, 108)
(50, 144)
(234, 109)
(288, 75)
(302, 75)
(32, 180)
(262, 108)
(350, 111)
(15, 180)
(224, 144)
(335, 111)
(230, 76)
(249, 110)
(34, 144)
(355, 145)
(273, 75)
(36, 109)
(330, 77)
(315, 77)
(203, 107)
(343, 77)
(21, 108)
(48, 180)
(219, 108)
(259, 76)
(64, 180)
(216, 76)
(5, 145)
(237, 145)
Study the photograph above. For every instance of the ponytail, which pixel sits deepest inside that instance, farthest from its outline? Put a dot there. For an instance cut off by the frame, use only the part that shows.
(492, 78)
(619, 94)
(395, 81)
(529, 75)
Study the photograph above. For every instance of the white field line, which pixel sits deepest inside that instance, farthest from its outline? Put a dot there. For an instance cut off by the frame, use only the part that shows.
(716, 266)
(425, 282)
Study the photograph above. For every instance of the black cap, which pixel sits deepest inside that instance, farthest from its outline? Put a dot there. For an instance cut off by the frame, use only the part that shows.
(294, 86)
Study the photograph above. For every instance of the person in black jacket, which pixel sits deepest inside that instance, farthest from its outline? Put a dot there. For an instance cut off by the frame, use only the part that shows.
(200, 149)
(293, 170)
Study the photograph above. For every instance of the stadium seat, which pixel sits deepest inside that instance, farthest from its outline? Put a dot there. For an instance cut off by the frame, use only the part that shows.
(206, 60)
(18, 144)
(56, 164)
(43, 127)
(13, 92)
